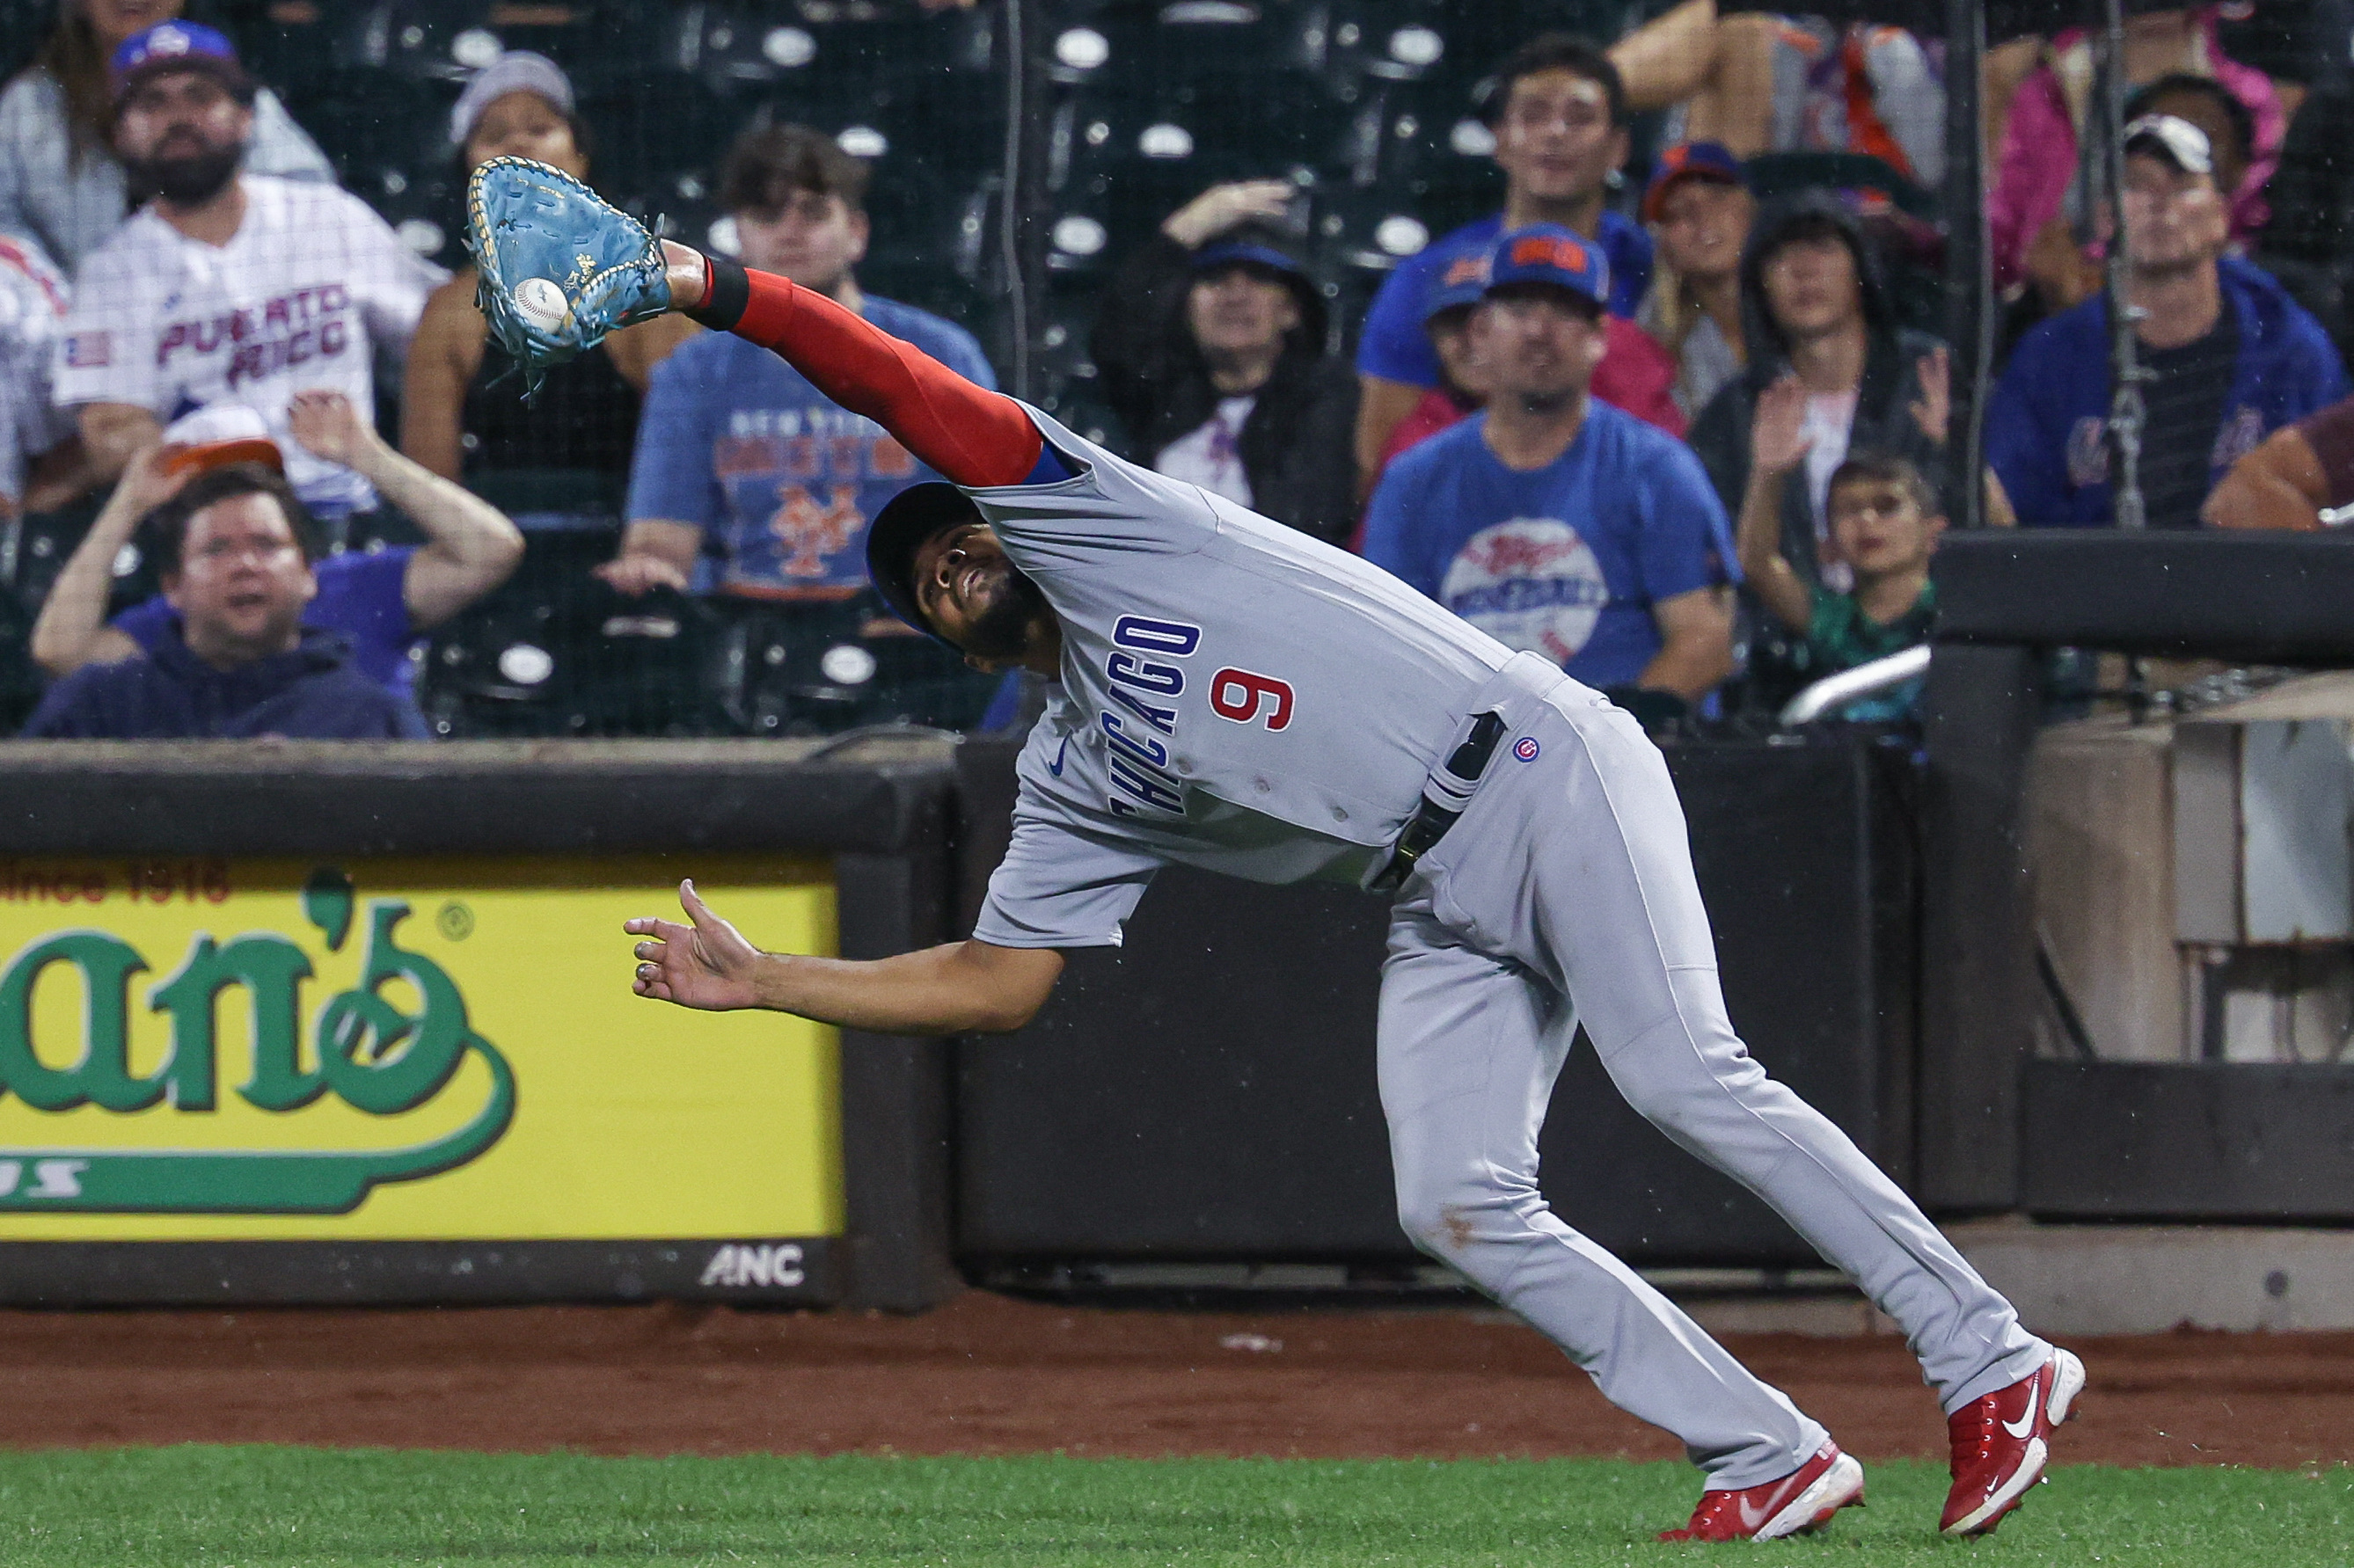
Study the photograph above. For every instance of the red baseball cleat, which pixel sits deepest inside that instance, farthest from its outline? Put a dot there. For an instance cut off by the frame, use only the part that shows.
(1799, 1504)
(2002, 1441)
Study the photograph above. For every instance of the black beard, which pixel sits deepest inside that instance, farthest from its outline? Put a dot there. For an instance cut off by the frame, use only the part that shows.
(182, 180)
(1001, 632)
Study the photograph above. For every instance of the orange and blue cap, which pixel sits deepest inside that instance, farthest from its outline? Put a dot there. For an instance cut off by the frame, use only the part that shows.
(1463, 282)
(1689, 161)
(1548, 254)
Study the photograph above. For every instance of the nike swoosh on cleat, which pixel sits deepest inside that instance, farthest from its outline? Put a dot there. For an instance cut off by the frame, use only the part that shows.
(2026, 1424)
(1750, 1518)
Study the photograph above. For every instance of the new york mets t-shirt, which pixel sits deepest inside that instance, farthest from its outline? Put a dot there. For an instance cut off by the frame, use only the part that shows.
(1566, 560)
(782, 480)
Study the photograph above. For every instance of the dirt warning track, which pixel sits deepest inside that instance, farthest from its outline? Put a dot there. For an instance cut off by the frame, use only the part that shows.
(990, 1375)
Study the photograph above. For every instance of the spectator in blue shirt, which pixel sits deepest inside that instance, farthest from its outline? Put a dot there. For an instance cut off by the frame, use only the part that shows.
(380, 602)
(237, 661)
(1554, 522)
(1559, 120)
(2230, 356)
(737, 453)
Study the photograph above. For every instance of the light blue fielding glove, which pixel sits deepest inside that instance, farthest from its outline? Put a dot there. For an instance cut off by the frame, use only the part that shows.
(585, 267)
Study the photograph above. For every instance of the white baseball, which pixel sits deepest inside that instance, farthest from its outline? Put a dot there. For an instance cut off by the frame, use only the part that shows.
(542, 303)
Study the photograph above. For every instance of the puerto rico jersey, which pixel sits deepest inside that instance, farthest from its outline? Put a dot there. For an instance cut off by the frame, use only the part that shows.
(311, 283)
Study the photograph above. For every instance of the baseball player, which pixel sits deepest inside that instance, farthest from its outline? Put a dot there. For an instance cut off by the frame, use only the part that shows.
(1230, 693)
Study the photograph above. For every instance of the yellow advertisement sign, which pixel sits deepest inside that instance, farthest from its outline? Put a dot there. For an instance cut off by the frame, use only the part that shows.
(399, 1050)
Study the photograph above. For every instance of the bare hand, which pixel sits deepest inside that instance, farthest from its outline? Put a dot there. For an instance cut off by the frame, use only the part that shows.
(1778, 441)
(330, 427)
(1934, 411)
(707, 965)
(639, 575)
(2059, 268)
(1221, 208)
(148, 480)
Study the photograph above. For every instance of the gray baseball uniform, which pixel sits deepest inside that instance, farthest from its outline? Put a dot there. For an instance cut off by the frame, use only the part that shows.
(1237, 696)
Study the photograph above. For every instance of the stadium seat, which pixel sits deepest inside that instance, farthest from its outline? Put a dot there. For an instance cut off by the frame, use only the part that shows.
(1126, 165)
(823, 669)
(657, 143)
(37, 546)
(554, 651)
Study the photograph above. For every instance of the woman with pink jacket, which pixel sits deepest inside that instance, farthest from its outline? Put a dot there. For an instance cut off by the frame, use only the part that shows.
(2030, 210)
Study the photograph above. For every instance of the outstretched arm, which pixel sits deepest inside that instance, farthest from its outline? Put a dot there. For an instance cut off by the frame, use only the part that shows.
(71, 629)
(967, 433)
(957, 988)
(471, 546)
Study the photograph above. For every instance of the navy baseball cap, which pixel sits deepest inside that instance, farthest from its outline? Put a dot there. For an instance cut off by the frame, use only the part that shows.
(1463, 282)
(1245, 253)
(907, 520)
(1548, 254)
(1689, 161)
(176, 45)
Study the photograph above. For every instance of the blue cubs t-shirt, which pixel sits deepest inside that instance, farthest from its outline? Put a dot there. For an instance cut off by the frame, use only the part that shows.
(1566, 560)
(361, 595)
(1395, 348)
(780, 478)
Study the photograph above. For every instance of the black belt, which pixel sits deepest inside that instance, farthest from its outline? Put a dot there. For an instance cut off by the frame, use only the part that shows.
(1443, 795)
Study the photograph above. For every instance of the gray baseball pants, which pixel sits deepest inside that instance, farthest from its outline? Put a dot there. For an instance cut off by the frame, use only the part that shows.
(1563, 897)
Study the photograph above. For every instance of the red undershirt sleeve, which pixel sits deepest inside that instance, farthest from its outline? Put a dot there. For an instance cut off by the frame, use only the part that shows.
(966, 434)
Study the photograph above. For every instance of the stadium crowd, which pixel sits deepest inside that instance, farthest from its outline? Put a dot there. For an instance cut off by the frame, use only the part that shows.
(1670, 411)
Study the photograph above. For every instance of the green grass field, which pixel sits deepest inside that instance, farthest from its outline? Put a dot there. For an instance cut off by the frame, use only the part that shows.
(269, 1508)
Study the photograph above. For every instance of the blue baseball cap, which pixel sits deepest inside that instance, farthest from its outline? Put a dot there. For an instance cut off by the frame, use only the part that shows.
(1245, 253)
(1548, 254)
(1463, 282)
(1689, 161)
(176, 45)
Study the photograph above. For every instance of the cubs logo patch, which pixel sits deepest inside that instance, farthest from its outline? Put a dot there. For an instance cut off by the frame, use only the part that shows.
(1526, 748)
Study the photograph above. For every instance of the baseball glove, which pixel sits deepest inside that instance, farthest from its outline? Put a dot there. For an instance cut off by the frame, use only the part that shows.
(525, 220)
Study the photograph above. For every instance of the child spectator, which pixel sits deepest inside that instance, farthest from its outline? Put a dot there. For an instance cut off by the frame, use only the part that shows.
(1884, 522)
(1814, 310)
(1462, 386)
(60, 179)
(1210, 343)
